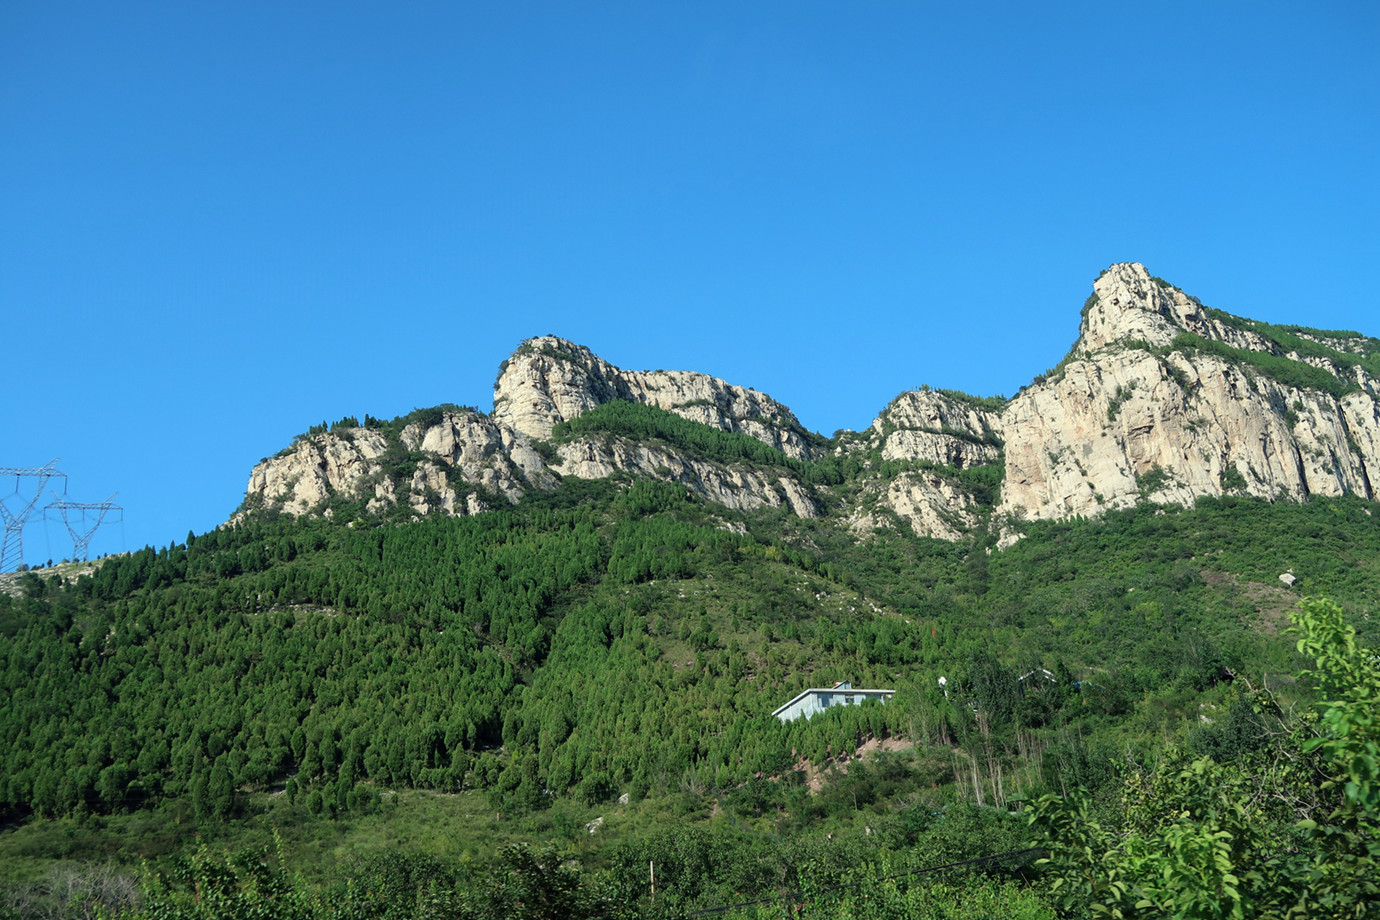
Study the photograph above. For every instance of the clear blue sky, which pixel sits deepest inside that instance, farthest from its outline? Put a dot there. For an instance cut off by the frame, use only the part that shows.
(221, 223)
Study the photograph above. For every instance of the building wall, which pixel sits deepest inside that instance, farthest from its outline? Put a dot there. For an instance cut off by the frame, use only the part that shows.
(818, 701)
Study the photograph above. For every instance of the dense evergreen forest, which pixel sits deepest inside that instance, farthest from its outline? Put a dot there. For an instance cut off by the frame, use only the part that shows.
(530, 712)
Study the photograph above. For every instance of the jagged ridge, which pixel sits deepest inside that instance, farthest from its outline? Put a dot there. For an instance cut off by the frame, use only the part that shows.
(1160, 399)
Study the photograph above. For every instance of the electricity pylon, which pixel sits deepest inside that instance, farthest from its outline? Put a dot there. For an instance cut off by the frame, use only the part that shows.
(81, 539)
(12, 549)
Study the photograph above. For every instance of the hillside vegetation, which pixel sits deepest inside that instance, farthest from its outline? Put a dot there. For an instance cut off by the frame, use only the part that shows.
(429, 671)
(616, 639)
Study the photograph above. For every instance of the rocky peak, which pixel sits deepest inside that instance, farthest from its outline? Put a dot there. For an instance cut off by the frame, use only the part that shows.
(940, 428)
(314, 467)
(1131, 305)
(1128, 303)
(434, 463)
(549, 380)
(1136, 412)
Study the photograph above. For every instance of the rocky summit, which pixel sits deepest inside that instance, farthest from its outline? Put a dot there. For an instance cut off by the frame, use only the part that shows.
(1161, 399)
(1166, 400)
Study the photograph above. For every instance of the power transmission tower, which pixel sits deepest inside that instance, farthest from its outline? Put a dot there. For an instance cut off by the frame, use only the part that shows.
(81, 539)
(12, 549)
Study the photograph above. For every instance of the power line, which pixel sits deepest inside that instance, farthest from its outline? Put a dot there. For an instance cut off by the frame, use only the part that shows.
(81, 539)
(12, 548)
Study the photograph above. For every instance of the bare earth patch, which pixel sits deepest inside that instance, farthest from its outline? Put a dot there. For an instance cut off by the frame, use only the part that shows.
(11, 582)
(1272, 603)
(814, 776)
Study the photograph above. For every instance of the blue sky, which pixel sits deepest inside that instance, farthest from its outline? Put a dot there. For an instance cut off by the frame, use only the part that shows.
(221, 223)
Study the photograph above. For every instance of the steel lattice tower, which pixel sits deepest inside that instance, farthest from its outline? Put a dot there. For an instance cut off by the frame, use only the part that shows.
(12, 549)
(81, 539)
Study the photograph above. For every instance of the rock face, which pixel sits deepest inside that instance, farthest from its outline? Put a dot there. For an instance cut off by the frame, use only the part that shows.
(546, 381)
(733, 486)
(549, 380)
(1131, 416)
(929, 504)
(316, 467)
(460, 448)
(1161, 399)
(938, 428)
(929, 434)
(481, 452)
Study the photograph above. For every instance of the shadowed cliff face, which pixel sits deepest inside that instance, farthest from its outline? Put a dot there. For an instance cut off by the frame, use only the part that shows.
(1161, 398)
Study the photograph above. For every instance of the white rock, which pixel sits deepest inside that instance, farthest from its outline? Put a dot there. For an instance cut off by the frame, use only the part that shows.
(1121, 423)
(1117, 425)
(734, 486)
(549, 380)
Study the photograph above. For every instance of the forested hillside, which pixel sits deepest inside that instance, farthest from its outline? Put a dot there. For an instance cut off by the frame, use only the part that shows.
(625, 638)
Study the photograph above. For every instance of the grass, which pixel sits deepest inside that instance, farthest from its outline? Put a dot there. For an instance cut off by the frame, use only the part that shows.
(463, 827)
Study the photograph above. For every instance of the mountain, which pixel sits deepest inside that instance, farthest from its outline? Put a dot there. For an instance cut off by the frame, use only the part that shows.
(1163, 398)
(1160, 399)
(572, 618)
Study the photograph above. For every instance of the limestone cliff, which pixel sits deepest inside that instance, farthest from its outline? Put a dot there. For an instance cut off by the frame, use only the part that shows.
(549, 380)
(448, 461)
(1163, 399)
(939, 428)
(918, 442)
(930, 504)
(735, 486)
(316, 467)
(1160, 399)
(546, 381)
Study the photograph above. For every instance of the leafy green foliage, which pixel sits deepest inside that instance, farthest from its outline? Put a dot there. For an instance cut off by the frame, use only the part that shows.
(206, 886)
(1356, 350)
(1152, 480)
(1287, 830)
(611, 637)
(983, 482)
(982, 403)
(551, 630)
(1122, 394)
(1348, 679)
(1232, 480)
(1282, 370)
(522, 883)
(640, 422)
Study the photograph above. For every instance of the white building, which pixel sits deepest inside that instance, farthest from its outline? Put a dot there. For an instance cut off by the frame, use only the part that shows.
(818, 699)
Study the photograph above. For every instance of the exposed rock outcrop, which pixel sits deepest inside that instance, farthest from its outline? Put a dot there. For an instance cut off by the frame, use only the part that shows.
(1161, 399)
(464, 447)
(937, 428)
(931, 505)
(549, 380)
(318, 466)
(733, 486)
(455, 449)
(1129, 417)
(482, 452)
